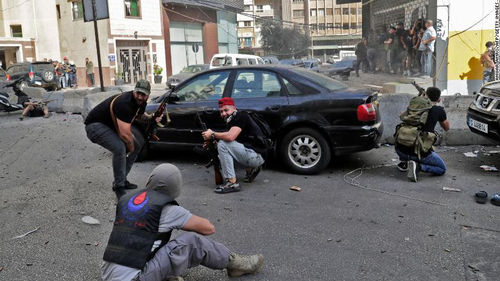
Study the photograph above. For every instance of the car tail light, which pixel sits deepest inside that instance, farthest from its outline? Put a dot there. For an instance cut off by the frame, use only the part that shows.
(8, 77)
(31, 74)
(367, 112)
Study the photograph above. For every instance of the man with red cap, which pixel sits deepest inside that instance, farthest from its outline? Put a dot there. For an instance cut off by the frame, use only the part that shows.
(244, 142)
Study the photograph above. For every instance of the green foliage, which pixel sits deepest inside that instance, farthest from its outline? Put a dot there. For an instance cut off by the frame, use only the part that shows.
(282, 41)
(157, 69)
(119, 72)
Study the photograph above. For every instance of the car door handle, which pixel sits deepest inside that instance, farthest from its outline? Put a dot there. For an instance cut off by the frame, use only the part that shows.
(210, 110)
(275, 107)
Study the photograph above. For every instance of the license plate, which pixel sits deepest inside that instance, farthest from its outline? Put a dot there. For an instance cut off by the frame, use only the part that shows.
(38, 83)
(483, 127)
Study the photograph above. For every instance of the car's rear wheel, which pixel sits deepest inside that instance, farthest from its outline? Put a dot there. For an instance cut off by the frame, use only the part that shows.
(48, 76)
(305, 151)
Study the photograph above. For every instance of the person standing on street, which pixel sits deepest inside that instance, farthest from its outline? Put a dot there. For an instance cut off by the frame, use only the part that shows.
(140, 248)
(391, 46)
(488, 62)
(244, 142)
(90, 72)
(361, 56)
(109, 125)
(427, 48)
(414, 143)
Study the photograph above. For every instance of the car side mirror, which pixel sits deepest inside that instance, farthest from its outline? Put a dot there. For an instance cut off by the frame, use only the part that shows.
(171, 87)
(173, 98)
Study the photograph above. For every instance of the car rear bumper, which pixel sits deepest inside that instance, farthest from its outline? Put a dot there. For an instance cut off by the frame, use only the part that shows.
(349, 139)
(492, 121)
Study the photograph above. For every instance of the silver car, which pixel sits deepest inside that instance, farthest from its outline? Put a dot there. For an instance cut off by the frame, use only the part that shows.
(186, 73)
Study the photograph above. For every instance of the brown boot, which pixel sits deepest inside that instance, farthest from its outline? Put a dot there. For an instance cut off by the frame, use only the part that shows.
(239, 265)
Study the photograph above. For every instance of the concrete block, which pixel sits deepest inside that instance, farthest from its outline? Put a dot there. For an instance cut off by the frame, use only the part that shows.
(73, 101)
(391, 106)
(35, 92)
(57, 100)
(90, 101)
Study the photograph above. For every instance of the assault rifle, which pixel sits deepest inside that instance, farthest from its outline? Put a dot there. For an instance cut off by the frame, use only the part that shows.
(421, 91)
(214, 155)
(153, 125)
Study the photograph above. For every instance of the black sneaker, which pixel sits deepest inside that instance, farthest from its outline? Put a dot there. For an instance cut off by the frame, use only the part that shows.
(250, 176)
(228, 187)
(413, 170)
(129, 185)
(403, 166)
(119, 191)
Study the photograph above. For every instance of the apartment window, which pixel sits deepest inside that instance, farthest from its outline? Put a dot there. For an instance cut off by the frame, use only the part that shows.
(354, 26)
(77, 10)
(321, 26)
(345, 11)
(338, 26)
(329, 11)
(132, 8)
(313, 13)
(329, 26)
(260, 7)
(247, 23)
(298, 13)
(297, 1)
(353, 11)
(247, 42)
(248, 7)
(345, 26)
(360, 11)
(321, 12)
(337, 11)
(16, 30)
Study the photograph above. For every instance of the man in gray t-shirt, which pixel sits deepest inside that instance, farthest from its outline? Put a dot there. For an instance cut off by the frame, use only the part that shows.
(427, 48)
(189, 249)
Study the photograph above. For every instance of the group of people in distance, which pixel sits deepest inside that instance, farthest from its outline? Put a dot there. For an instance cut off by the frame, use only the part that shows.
(139, 247)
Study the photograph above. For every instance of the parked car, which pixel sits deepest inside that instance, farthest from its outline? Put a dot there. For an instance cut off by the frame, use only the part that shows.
(221, 60)
(33, 74)
(293, 62)
(271, 60)
(312, 117)
(187, 72)
(342, 68)
(484, 112)
(312, 65)
(3, 75)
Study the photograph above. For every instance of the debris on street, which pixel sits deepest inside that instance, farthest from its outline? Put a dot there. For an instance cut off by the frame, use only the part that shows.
(90, 220)
(488, 168)
(470, 154)
(451, 189)
(27, 233)
(295, 188)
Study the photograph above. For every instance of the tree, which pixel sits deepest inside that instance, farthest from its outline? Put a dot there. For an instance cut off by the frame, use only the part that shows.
(282, 41)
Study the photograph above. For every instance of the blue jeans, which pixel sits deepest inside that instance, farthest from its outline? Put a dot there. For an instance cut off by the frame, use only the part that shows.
(426, 61)
(487, 76)
(431, 163)
(233, 150)
(104, 136)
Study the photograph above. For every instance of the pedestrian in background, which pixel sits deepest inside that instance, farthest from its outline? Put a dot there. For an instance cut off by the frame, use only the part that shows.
(427, 48)
(361, 56)
(90, 72)
(488, 62)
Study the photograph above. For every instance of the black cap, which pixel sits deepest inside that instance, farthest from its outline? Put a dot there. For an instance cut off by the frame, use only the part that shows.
(143, 86)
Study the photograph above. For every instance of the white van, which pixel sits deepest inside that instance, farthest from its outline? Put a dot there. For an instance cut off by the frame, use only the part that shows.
(220, 60)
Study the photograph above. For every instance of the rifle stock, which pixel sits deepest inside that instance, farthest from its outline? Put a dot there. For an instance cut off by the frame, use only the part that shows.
(152, 126)
(421, 91)
(214, 155)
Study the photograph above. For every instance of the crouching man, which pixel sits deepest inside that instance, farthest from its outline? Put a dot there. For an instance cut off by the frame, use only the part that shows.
(243, 143)
(139, 247)
(415, 137)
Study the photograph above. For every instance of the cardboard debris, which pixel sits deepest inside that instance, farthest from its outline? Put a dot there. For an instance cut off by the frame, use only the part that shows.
(90, 220)
(27, 233)
(470, 154)
(451, 189)
(295, 188)
(488, 168)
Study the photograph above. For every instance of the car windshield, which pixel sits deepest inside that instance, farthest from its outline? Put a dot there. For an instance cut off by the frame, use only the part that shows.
(326, 82)
(344, 63)
(308, 64)
(192, 69)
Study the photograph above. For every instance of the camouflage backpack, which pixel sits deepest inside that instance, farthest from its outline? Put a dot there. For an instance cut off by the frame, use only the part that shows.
(409, 133)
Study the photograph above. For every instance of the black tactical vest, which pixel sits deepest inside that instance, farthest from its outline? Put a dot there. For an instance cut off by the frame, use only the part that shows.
(136, 228)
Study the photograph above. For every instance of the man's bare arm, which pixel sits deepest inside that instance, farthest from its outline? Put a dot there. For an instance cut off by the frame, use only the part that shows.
(126, 135)
(445, 125)
(199, 225)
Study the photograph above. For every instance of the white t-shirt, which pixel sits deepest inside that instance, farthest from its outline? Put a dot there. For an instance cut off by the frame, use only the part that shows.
(428, 34)
(172, 217)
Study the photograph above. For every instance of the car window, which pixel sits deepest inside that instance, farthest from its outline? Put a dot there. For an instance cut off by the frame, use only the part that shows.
(256, 84)
(292, 90)
(252, 61)
(260, 61)
(25, 68)
(222, 61)
(326, 82)
(240, 61)
(208, 86)
(11, 70)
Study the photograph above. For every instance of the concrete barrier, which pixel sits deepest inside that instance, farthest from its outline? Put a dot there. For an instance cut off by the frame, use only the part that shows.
(391, 106)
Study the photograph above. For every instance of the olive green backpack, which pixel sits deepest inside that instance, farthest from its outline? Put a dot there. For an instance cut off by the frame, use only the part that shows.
(409, 132)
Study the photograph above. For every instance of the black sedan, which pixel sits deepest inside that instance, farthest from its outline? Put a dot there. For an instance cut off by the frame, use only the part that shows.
(483, 114)
(312, 116)
(342, 68)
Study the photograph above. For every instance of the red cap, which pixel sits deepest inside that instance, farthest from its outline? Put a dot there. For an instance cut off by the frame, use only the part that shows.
(65, 58)
(226, 101)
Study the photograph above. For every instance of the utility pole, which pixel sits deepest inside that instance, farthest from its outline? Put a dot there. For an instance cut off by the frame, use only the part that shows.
(94, 12)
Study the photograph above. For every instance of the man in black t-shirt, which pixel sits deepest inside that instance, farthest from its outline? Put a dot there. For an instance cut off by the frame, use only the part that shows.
(429, 162)
(241, 143)
(391, 46)
(113, 130)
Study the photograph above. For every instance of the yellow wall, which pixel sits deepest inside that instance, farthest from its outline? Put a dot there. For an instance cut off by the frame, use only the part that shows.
(464, 54)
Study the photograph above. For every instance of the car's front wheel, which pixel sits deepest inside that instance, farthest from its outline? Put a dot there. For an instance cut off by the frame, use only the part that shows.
(305, 151)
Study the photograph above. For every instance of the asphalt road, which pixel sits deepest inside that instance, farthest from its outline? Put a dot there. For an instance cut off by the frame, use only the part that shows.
(51, 176)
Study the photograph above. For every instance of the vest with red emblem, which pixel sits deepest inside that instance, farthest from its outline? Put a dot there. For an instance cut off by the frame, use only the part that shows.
(136, 228)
